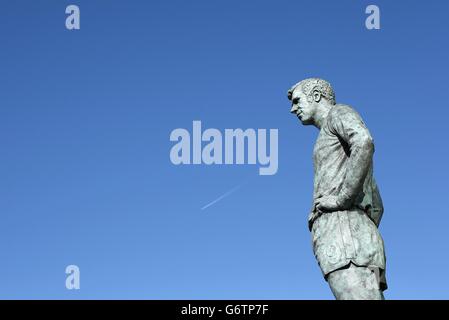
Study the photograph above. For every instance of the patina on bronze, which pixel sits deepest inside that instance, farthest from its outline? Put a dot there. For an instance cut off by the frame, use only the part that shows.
(347, 207)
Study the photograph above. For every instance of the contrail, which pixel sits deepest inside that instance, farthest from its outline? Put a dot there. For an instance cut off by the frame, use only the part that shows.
(222, 197)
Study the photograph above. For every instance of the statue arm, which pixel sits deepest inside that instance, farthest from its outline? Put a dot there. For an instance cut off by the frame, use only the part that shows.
(349, 127)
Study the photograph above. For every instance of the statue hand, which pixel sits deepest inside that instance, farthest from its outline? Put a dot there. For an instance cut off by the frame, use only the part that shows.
(327, 203)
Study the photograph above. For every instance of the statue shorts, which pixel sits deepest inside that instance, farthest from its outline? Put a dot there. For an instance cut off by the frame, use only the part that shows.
(343, 237)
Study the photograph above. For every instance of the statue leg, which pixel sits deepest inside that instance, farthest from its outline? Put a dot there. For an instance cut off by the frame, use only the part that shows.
(355, 283)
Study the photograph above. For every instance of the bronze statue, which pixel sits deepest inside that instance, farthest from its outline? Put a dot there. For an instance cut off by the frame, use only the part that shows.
(347, 207)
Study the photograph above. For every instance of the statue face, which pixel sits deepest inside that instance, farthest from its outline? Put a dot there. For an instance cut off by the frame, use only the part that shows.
(301, 107)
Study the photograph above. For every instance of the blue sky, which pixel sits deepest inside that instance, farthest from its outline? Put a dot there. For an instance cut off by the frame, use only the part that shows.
(85, 120)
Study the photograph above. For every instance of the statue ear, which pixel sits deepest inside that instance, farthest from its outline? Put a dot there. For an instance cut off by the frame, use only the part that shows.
(316, 95)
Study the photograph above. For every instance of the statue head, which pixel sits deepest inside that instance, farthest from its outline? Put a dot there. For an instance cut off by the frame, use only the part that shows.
(310, 97)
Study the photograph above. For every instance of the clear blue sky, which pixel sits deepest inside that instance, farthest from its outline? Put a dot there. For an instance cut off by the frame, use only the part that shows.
(85, 119)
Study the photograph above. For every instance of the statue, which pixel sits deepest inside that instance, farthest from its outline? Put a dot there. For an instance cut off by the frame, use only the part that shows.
(347, 207)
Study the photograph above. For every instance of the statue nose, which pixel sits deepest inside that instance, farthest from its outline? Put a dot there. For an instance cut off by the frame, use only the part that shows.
(294, 109)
